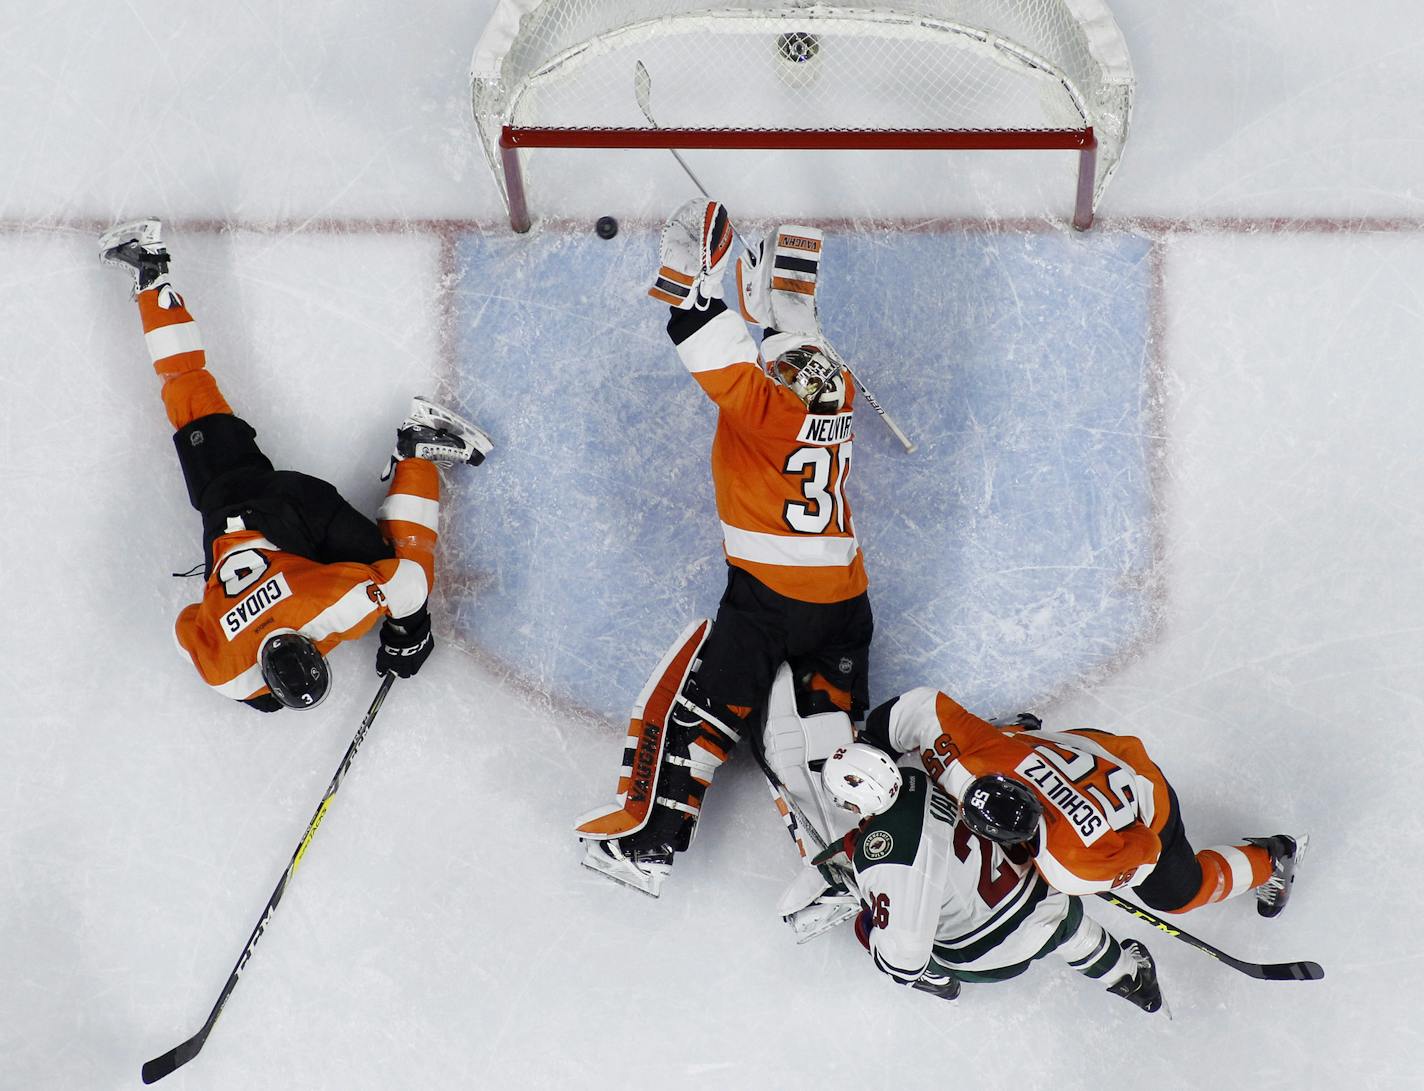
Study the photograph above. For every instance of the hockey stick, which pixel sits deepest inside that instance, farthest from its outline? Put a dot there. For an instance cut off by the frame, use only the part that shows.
(782, 795)
(874, 403)
(643, 92)
(1268, 971)
(161, 1066)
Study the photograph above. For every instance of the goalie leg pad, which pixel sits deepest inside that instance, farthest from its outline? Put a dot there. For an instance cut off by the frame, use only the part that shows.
(699, 741)
(795, 746)
(675, 745)
(646, 744)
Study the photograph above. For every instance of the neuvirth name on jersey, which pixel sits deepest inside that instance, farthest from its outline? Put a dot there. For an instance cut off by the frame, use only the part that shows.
(826, 431)
(263, 597)
(1086, 818)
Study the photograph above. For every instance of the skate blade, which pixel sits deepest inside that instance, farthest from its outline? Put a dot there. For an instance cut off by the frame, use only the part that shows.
(145, 232)
(807, 925)
(437, 416)
(627, 874)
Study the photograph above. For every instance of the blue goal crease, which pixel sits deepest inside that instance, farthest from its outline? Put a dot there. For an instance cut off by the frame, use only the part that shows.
(1008, 556)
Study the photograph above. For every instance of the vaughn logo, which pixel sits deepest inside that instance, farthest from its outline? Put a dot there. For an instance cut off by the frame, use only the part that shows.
(825, 430)
(263, 597)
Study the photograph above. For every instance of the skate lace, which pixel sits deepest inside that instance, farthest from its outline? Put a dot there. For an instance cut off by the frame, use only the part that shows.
(1141, 960)
(1272, 888)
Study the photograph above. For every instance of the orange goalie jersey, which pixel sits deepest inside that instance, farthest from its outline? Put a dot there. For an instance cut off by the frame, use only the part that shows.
(1105, 802)
(256, 588)
(779, 470)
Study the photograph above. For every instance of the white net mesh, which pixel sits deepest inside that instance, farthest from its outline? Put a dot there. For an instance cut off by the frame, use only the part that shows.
(760, 64)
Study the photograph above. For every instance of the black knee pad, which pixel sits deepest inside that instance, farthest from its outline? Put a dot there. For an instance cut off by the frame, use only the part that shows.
(213, 447)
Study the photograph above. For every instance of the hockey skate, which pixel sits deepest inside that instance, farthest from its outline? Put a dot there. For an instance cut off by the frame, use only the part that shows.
(435, 433)
(1141, 988)
(812, 905)
(938, 981)
(1286, 854)
(642, 869)
(138, 246)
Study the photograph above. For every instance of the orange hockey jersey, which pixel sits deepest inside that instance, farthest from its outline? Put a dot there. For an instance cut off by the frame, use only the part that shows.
(1105, 802)
(256, 588)
(779, 471)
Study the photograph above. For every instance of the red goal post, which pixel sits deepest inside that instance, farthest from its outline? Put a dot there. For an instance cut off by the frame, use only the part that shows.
(858, 75)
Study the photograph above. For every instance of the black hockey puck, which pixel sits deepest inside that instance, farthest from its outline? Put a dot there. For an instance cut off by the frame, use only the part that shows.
(606, 227)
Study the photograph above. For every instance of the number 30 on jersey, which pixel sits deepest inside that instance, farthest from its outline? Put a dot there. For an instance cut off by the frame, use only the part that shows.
(822, 472)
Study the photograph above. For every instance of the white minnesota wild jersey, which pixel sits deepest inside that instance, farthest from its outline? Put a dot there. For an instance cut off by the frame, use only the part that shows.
(933, 887)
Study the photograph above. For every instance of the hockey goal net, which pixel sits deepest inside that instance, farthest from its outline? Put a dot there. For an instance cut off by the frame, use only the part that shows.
(864, 74)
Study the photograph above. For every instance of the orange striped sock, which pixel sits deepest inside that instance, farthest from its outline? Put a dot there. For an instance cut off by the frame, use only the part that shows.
(1229, 870)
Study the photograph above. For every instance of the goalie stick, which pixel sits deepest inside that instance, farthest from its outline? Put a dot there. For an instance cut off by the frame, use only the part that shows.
(179, 1055)
(1268, 971)
(643, 92)
(783, 798)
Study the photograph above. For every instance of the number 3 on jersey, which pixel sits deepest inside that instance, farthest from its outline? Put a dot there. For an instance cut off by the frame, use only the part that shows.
(823, 472)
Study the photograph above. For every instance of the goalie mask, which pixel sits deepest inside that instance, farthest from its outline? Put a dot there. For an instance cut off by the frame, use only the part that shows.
(294, 670)
(812, 376)
(1000, 809)
(861, 779)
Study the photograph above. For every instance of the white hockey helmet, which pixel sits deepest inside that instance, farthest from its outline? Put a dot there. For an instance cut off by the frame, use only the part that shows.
(813, 376)
(862, 779)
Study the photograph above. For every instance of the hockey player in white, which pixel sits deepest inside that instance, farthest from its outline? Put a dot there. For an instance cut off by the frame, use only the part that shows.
(942, 905)
(937, 903)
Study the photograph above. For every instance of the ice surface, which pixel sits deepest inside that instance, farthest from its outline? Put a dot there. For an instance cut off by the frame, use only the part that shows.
(1011, 554)
(340, 243)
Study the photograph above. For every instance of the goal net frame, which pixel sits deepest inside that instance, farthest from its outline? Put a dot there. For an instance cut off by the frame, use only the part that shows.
(1087, 88)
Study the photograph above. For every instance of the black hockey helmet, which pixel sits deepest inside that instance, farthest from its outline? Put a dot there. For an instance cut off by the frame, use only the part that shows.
(1001, 809)
(294, 670)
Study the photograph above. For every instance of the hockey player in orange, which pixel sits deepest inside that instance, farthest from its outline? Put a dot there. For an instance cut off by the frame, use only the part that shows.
(1092, 807)
(796, 585)
(291, 568)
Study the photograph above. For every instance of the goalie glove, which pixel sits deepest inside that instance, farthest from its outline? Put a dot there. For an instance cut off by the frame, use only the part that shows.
(693, 252)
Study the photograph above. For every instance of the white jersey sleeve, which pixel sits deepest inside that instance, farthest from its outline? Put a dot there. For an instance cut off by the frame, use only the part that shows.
(912, 724)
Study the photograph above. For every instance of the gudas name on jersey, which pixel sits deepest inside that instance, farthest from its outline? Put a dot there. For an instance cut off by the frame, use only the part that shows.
(825, 431)
(266, 595)
(1086, 818)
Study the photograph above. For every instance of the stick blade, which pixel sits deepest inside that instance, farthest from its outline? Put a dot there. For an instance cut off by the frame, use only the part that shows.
(1293, 971)
(643, 88)
(160, 1066)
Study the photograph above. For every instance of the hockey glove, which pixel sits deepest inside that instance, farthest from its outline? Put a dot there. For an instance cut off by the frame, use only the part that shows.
(863, 924)
(406, 643)
(692, 255)
(264, 702)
